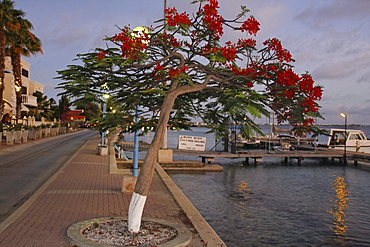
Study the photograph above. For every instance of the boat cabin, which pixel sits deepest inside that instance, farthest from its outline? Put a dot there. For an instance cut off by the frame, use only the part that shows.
(351, 138)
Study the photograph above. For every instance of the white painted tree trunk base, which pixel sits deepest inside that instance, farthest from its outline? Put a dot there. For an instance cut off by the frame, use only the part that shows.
(135, 211)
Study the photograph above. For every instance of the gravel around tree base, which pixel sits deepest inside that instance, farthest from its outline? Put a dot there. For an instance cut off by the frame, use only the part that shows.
(116, 233)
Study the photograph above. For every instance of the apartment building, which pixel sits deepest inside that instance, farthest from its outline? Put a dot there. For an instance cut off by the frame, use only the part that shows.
(28, 88)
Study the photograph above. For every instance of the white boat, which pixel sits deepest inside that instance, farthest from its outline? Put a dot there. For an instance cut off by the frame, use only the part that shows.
(354, 140)
(244, 143)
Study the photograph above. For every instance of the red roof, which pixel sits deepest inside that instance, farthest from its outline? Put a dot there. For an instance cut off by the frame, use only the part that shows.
(75, 115)
(75, 112)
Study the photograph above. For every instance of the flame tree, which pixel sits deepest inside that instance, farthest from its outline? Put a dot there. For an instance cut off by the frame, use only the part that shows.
(186, 67)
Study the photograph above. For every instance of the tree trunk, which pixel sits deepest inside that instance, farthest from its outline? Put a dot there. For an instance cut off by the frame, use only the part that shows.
(145, 177)
(19, 105)
(17, 68)
(2, 69)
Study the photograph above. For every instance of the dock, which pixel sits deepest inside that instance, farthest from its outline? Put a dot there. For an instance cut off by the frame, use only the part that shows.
(258, 155)
(253, 156)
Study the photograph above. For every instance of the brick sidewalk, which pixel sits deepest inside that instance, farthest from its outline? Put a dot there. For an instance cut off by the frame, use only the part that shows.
(82, 189)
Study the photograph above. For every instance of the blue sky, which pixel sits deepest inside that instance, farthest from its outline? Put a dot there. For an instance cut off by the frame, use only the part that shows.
(328, 38)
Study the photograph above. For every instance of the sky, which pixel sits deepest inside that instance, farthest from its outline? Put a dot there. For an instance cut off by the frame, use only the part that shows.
(328, 38)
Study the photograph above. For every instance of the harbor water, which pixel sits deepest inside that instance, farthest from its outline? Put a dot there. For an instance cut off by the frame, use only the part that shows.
(278, 204)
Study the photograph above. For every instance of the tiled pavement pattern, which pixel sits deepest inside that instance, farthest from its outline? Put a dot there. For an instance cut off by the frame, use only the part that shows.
(82, 189)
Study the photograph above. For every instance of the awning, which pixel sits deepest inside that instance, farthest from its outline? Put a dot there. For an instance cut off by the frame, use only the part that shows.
(24, 108)
(278, 130)
(7, 105)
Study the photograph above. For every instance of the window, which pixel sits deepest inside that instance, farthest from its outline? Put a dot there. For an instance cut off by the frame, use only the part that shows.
(24, 90)
(354, 137)
(25, 73)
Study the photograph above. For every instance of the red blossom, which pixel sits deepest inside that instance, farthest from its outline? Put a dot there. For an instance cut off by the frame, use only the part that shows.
(156, 70)
(275, 45)
(287, 78)
(212, 18)
(160, 72)
(171, 40)
(248, 84)
(242, 43)
(175, 19)
(175, 72)
(101, 55)
(308, 121)
(251, 25)
(293, 87)
(317, 93)
(132, 43)
(306, 84)
(244, 72)
(229, 51)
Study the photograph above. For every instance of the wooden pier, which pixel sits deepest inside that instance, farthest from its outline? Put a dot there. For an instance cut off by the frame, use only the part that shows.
(301, 153)
(258, 155)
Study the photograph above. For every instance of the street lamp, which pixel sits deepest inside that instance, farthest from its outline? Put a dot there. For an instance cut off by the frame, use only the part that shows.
(25, 121)
(346, 136)
(14, 120)
(137, 32)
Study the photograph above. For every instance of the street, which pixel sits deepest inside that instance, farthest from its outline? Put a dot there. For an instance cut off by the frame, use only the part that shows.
(24, 168)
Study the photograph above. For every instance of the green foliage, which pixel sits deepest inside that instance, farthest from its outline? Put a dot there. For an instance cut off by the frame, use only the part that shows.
(91, 109)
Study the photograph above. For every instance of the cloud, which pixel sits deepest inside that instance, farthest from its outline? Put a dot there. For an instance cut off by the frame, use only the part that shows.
(353, 65)
(333, 70)
(357, 114)
(324, 13)
(364, 78)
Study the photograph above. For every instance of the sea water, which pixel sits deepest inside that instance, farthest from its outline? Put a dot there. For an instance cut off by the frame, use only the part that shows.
(314, 204)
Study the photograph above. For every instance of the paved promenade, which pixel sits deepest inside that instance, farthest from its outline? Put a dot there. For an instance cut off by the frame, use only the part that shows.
(83, 189)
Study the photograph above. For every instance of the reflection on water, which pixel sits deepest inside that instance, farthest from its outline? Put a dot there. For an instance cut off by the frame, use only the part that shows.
(279, 205)
(340, 204)
(240, 204)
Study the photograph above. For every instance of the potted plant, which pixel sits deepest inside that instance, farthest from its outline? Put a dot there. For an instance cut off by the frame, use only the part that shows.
(55, 129)
(17, 134)
(25, 133)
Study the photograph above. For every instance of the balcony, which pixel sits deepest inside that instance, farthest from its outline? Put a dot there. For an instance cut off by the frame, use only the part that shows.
(29, 100)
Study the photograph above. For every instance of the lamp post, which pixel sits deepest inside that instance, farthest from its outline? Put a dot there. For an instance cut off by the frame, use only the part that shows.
(346, 136)
(135, 167)
(103, 134)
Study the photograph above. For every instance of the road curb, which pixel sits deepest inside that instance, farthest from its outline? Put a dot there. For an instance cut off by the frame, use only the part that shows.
(205, 231)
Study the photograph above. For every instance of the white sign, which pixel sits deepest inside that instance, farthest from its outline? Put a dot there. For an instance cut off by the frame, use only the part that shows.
(192, 143)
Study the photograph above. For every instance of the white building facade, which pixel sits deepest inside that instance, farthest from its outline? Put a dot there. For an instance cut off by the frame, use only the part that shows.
(28, 88)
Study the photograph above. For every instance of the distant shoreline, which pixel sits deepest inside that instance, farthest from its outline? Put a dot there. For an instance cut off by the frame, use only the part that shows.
(265, 124)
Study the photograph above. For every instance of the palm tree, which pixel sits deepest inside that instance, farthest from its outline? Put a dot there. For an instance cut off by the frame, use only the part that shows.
(22, 42)
(8, 19)
(64, 106)
(42, 103)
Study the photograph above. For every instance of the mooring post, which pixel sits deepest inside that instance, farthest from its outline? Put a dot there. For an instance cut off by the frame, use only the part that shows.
(300, 161)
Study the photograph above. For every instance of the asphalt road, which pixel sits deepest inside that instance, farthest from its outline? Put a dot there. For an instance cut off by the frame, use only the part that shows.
(24, 168)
